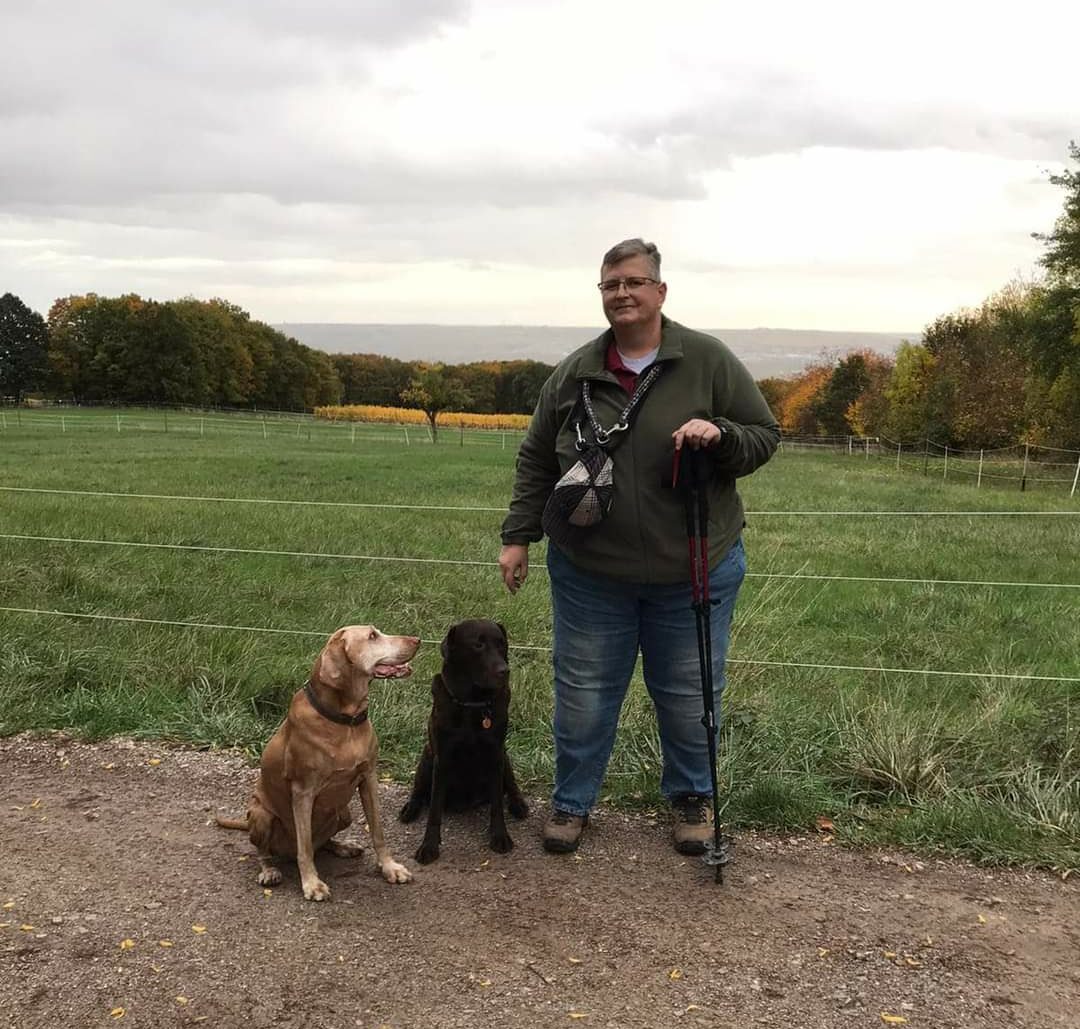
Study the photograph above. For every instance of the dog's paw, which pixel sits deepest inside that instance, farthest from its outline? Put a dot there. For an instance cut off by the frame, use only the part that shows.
(344, 850)
(518, 807)
(427, 852)
(410, 810)
(501, 843)
(269, 877)
(318, 890)
(396, 873)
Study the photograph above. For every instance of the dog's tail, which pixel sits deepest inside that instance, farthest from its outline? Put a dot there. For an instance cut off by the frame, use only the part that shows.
(232, 823)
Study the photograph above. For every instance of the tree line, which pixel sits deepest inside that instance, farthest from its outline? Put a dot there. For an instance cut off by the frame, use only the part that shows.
(1006, 372)
(210, 353)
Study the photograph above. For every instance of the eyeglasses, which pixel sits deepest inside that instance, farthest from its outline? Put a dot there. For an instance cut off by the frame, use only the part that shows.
(633, 284)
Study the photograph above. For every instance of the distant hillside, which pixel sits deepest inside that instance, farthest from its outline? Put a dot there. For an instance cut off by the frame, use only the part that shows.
(764, 351)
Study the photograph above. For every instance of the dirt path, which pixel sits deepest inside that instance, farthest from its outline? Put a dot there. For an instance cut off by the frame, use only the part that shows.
(101, 844)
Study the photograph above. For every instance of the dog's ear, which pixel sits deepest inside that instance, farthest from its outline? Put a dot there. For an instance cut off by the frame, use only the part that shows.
(447, 643)
(332, 663)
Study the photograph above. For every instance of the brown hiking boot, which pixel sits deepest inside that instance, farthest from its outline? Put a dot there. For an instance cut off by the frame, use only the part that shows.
(693, 826)
(562, 831)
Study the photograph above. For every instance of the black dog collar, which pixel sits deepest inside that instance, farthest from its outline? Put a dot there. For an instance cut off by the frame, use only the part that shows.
(485, 705)
(334, 716)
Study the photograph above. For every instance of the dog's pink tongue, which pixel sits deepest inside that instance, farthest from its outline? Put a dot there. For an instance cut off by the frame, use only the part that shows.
(386, 671)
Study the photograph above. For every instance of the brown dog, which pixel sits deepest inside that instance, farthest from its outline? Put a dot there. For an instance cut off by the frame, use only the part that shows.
(464, 763)
(325, 749)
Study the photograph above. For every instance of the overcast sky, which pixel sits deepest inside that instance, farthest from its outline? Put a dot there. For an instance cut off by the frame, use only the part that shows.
(827, 165)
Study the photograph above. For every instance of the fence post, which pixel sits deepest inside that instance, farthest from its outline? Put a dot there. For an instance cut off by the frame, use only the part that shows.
(1076, 478)
(898, 446)
(264, 426)
(166, 414)
(849, 446)
(926, 456)
(978, 481)
(945, 470)
(463, 432)
(504, 441)
(63, 424)
(117, 421)
(867, 448)
(354, 432)
(406, 430)
(3, 419)
(1023, 473)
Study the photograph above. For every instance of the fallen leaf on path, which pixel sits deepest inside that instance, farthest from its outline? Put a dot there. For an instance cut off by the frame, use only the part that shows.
(127, 944)
(893, 1019)
(26, 927)
(181, 1000)
(108, 768)
(154, 761)
(165, 943)
(198, 929)
(9, 905)
(118, 1012)
(35, 803)
(578, 1014)
(824, 824)
(574, 961)
(982, 919)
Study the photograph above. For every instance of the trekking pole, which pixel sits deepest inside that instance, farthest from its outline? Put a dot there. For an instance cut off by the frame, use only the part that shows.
(696, 503)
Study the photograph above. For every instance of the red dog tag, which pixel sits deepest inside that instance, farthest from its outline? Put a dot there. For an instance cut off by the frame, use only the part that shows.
(486, 723)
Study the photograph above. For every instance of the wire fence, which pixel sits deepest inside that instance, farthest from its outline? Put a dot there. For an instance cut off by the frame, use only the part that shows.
(1023, 466)
(200, 423)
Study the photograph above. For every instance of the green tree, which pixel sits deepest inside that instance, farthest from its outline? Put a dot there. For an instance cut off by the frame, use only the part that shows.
(846, 384)
(220, 331)
(518, 387)
(915, 410)
(24, 341)
(434, 390)
(1062, 257)
(372, 379)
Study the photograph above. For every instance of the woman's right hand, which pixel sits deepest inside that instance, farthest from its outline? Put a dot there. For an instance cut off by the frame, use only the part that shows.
(514, 565)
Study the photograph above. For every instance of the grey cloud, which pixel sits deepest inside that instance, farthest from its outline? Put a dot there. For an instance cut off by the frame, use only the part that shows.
(775, 115)
(83, 56)
(156, 101)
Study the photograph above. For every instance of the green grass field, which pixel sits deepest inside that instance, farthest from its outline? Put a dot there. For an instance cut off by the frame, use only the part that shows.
(978, 764)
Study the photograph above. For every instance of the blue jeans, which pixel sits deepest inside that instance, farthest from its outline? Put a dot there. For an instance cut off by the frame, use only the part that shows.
(600, 624)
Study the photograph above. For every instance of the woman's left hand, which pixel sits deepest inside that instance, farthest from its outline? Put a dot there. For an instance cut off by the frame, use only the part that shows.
(697, 433)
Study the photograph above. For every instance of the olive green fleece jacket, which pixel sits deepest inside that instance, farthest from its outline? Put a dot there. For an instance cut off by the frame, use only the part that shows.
(643, 538)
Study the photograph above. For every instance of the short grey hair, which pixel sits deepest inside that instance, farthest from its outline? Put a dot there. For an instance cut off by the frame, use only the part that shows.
(636, 247)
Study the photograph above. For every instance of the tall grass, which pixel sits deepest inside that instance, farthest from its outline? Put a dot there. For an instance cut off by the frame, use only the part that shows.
(979, 765)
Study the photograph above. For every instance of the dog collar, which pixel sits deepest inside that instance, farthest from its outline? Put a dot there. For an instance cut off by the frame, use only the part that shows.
(334, 716)
(485, 705)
